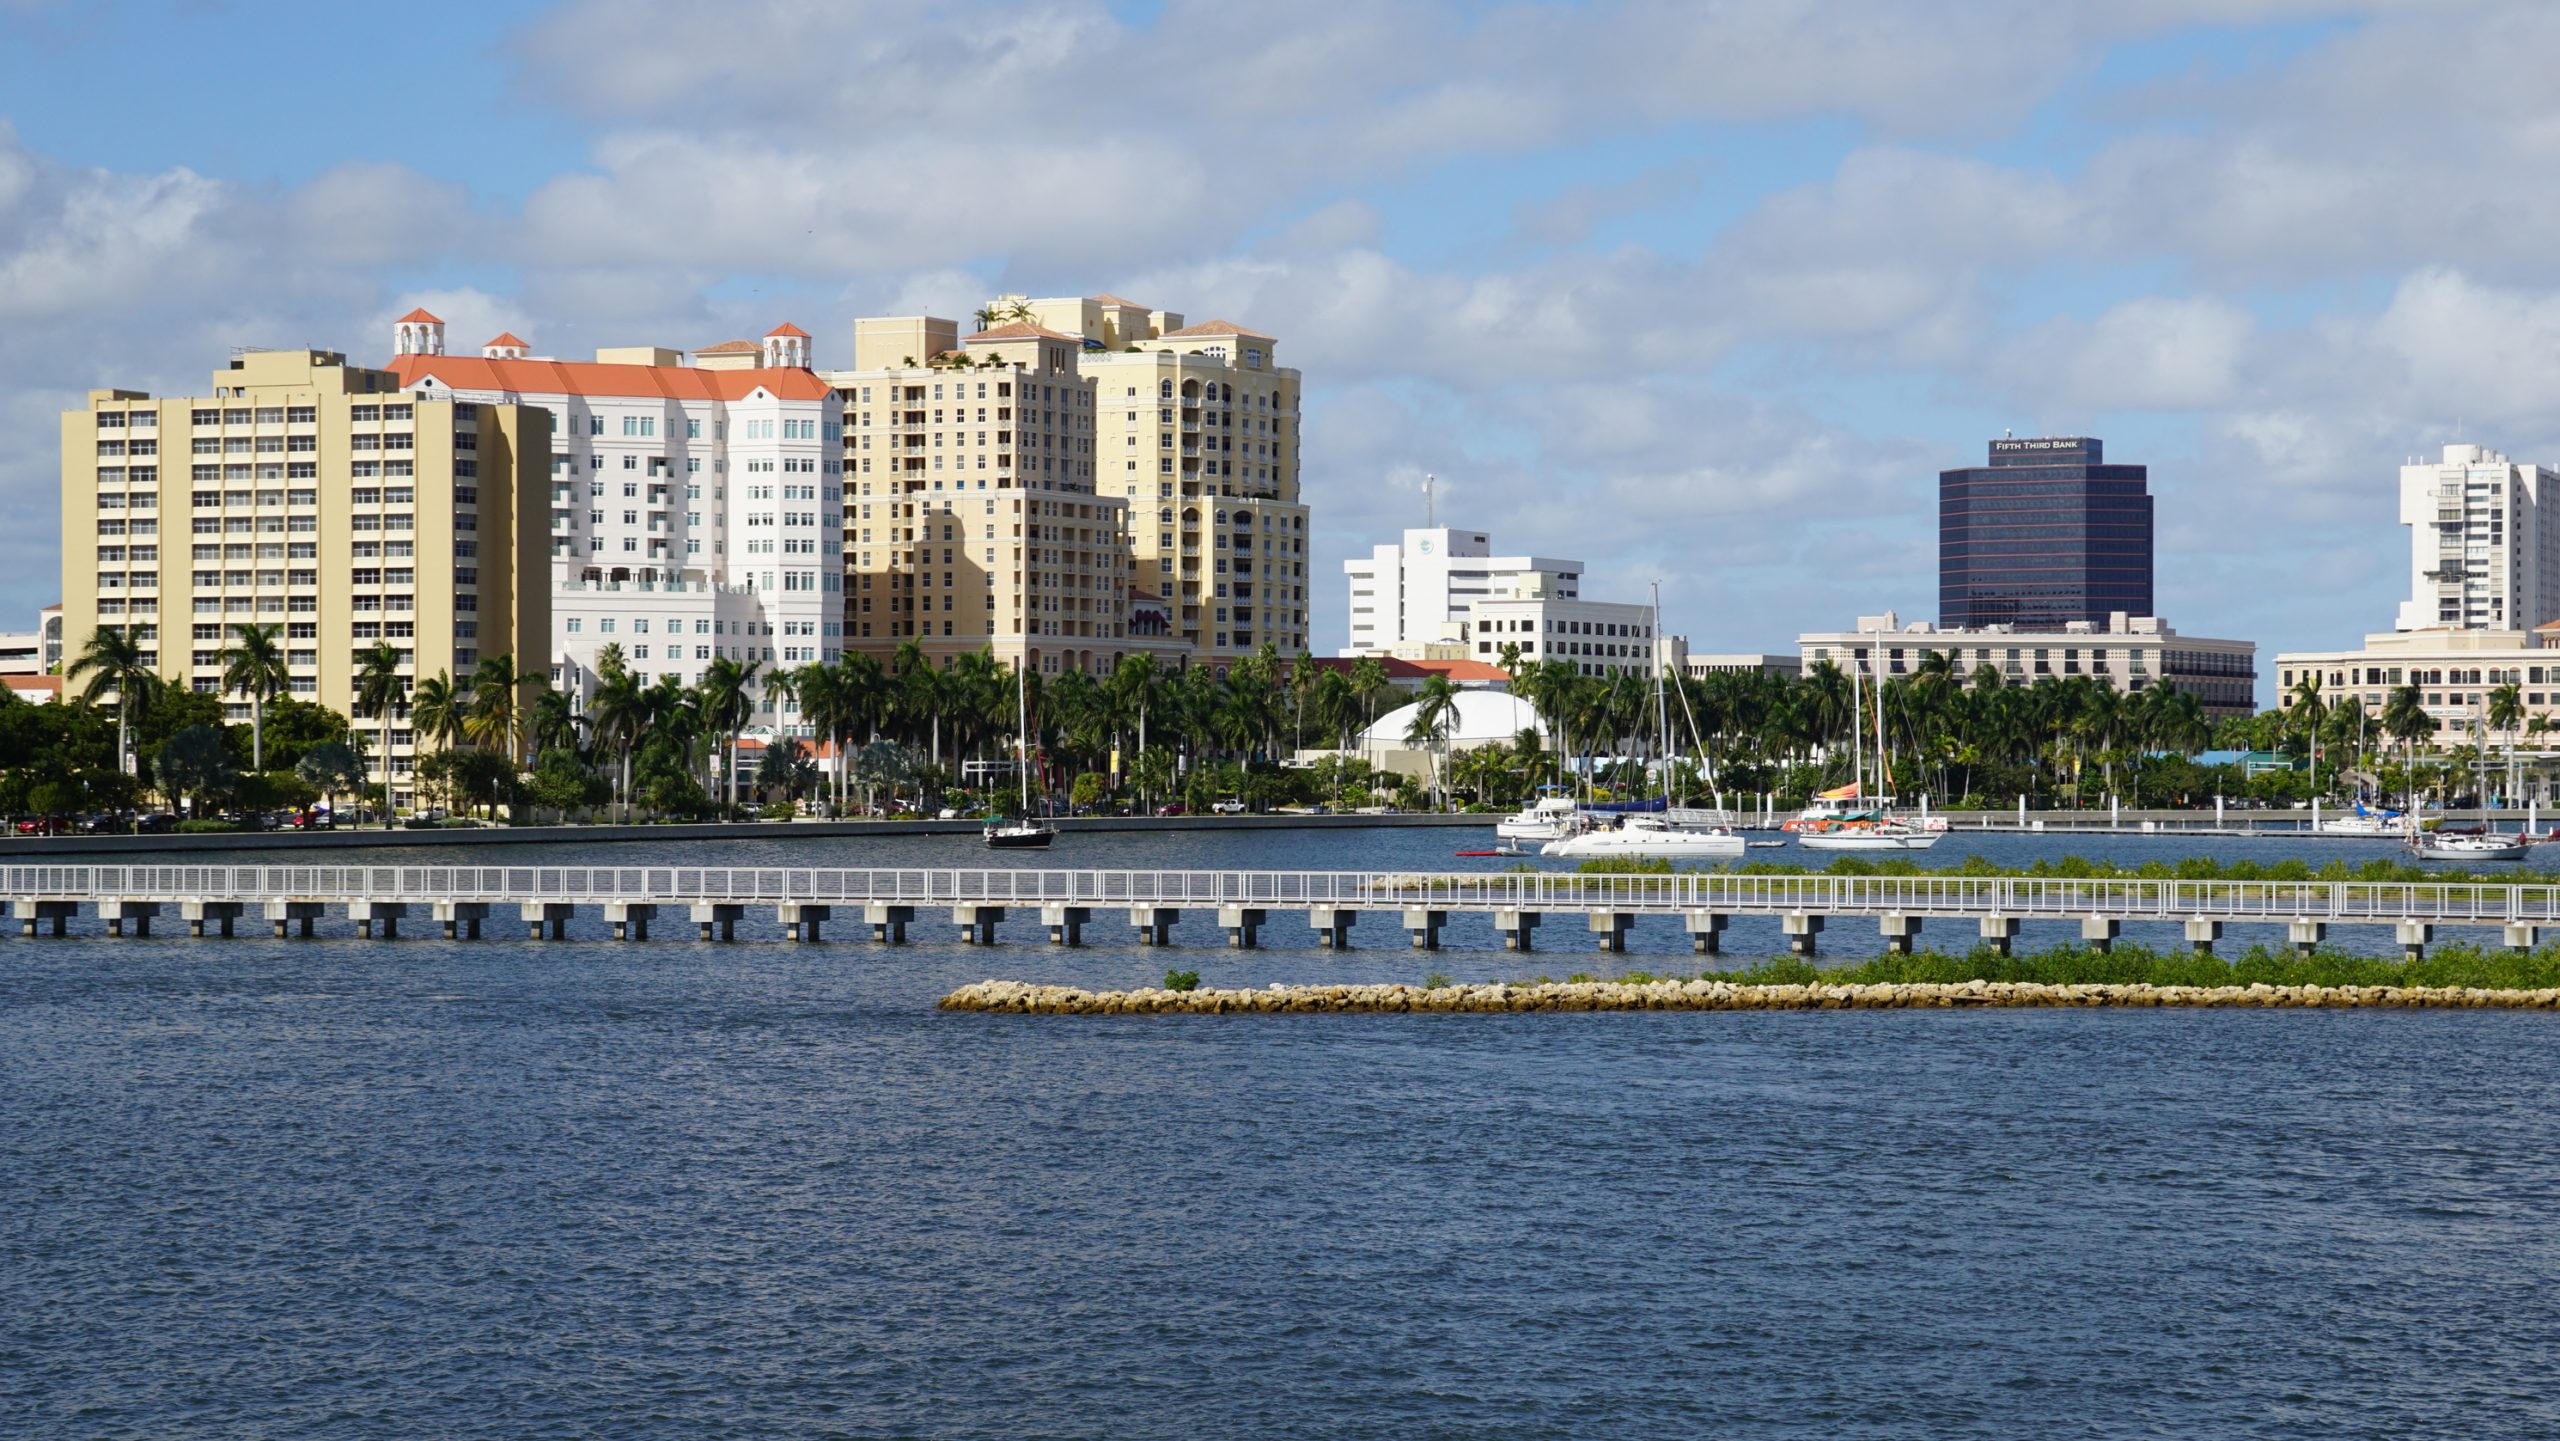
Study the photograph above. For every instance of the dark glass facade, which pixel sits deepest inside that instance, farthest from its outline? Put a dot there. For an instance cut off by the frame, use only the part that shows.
(2045, 534)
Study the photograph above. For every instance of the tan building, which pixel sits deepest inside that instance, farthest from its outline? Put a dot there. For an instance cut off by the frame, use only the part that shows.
(2129, 654)
(2454, 670)
(314, 495)
(1198, 433)
(973, 520)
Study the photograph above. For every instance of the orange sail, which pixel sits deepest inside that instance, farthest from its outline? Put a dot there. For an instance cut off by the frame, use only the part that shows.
(1848, 792)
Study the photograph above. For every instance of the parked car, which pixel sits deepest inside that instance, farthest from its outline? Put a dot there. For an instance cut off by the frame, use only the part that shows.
(1227, 806)
(1171, 809)
(155, 823)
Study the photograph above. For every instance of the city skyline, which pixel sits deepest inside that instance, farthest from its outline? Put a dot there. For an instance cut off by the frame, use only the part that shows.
(1722, 319)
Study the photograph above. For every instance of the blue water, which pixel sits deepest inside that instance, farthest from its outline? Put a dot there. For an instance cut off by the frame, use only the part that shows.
(364, 1190)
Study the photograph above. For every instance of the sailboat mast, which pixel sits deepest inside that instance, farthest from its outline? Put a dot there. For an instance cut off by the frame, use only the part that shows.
(1661, 713)
(1022, 736)
(1857, 722)
(1884, 772)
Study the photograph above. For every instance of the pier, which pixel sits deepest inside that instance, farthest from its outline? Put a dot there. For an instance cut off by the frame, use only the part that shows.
(1406, 908)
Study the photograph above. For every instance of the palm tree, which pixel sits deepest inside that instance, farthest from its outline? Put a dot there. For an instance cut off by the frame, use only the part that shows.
(436, 711)
(556, 722)
(114, 661)
(253, 666)
(2505, 713)
(618, 718)
(491, 721)
(379, 689)
(1435, 707)
(2308, 711)
(2405, 719)
(726, 707)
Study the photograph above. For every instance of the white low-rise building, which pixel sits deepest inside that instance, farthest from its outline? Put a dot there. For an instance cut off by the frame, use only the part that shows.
(2129, 653)
(2455, 672)
(1536, 613)
(1423, 589)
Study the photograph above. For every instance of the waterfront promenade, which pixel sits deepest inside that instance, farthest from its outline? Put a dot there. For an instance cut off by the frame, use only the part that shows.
(460, 899)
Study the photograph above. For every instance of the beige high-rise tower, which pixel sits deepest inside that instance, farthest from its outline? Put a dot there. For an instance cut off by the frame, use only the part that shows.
(1197, 432)
(318, 496)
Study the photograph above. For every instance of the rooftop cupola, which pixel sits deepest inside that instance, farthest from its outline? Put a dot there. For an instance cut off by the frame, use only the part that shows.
(786, 346)
(505, 347)
(418, 333)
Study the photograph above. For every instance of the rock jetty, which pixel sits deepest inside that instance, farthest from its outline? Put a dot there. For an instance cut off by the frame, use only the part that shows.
(1025, 998)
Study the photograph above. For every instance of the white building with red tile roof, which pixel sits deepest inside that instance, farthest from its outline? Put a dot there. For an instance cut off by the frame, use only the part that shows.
(696, 512)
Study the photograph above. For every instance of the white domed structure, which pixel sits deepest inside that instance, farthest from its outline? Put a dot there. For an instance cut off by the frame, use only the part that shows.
(1483, 717)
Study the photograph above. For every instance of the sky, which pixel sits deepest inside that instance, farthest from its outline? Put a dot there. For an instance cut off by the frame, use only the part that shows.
(1702, 293)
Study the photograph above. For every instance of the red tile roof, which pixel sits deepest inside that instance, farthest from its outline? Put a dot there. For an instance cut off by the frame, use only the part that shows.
(1020, 330)
(419, 314)
(505, 337)
(1414, 670)
(731, 347)
(564, 377)
(1215, 327)
(48, 685)
(787, 328)
(1116, 300)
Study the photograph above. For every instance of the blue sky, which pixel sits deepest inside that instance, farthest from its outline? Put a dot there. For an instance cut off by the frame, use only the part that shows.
(1702, 293)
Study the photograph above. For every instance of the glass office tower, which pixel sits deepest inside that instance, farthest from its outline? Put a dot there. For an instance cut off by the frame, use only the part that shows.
(2046, 534)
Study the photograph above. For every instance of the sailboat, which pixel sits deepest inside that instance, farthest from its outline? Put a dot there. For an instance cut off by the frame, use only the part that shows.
(1023, 833)
(1651, 835)
(1848, 825)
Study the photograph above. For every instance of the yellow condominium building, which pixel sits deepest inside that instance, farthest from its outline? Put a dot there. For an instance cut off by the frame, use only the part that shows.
(317, 496)
(973, 523)
(1197, 431)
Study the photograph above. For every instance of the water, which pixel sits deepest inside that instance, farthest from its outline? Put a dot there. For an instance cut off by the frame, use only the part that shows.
(351, 1189)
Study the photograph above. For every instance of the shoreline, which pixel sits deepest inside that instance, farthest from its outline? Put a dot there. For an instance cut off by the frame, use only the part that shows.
(34, 849)
(1000, 997)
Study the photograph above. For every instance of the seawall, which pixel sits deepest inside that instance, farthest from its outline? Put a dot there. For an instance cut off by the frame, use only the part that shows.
(38, 849)
(1025, 998)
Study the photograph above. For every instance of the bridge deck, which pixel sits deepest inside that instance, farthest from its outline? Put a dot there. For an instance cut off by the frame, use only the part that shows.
(2343, 902)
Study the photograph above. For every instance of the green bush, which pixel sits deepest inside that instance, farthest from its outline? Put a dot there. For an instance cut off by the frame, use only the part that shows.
(209, 827)
(1182, 980)
(2454, 965)
(1435, 981)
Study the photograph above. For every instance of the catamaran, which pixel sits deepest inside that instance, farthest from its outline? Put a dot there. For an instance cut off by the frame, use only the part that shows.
(1655, 834)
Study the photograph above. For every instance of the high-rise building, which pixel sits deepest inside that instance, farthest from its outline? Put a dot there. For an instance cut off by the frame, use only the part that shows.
(2044, 535)
(1421, 590)
(2484, 542)
(1197, 430)
(324, 498)
(974, 520)
(694, 511)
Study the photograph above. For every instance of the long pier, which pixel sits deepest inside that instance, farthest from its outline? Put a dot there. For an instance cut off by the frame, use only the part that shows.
(460, 900)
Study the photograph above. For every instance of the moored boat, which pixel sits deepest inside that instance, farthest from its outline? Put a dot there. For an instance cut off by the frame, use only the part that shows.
(1647, 837)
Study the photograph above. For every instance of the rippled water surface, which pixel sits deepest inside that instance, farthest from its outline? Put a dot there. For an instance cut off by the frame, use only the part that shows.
(352, 1189)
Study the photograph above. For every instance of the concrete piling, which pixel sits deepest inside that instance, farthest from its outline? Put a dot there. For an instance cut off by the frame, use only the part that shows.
(1243, 925)
(461, 919)
(1899, 931)
(1706, 931)
(115, 913)
(199, 914)
(1519, 929)
(977, 924)
(53, 914)
(1332, 925)
(551, 916)
(2305, 934)
(2413, 937)
(1803, 928)
(385, 914)
(630, 919)
(1154, 924)
(803, 922)
(888, 922)
(1423, 924)
(717, 916)
(2099, 933)
(1999, 933)
(1065, 924)
(2202, 933)
(1609, 929)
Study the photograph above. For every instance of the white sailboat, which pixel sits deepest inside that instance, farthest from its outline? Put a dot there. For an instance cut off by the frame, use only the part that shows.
(1847, 824)
(1024, 832)
(1553, 818)
(1650, 835)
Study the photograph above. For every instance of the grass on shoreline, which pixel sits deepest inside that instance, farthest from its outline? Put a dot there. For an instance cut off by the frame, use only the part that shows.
(2449, 966)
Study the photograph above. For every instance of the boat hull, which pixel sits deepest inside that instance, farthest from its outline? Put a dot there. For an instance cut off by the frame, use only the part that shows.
(1019, 840)
(1818, 841)
(1671, 845)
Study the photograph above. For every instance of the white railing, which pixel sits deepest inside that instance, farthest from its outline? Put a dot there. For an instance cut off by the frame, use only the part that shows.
(2274, 901)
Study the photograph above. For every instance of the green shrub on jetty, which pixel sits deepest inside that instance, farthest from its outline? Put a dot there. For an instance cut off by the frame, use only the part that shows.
(2452, 965)
(1182, 980)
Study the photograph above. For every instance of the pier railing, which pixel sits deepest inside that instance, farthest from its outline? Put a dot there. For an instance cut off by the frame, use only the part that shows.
(2338, 901)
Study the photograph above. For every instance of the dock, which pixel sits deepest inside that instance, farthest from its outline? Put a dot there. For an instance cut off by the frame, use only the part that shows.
(459, 902)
